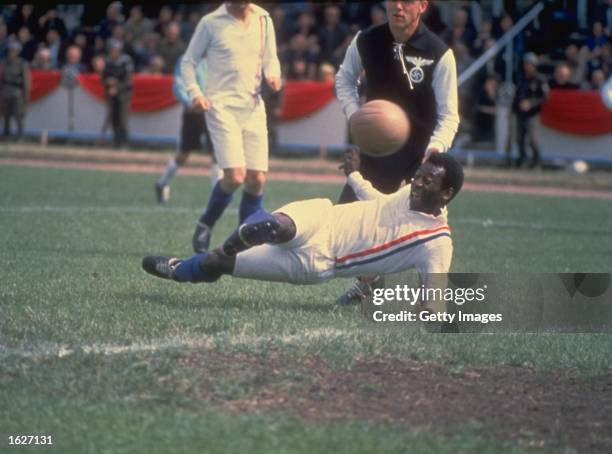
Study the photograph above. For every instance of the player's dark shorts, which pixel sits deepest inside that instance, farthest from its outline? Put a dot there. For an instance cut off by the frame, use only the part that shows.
(193, 126)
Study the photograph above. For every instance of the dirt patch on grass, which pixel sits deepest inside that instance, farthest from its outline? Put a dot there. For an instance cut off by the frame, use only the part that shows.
(518, 404)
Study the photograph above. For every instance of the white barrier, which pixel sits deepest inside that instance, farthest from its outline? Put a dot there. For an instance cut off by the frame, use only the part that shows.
(326, 127)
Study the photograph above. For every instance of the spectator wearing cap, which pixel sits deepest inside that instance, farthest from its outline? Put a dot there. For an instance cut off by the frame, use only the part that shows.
(117, 79)
(171, 47)
(530, 94)
(15, 84)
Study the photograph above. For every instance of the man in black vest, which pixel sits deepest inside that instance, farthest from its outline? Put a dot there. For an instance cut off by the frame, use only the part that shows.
(15, 83)
(405, 63)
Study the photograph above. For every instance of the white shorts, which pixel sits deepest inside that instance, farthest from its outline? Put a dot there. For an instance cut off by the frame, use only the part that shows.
(239, 136)
(304, 260)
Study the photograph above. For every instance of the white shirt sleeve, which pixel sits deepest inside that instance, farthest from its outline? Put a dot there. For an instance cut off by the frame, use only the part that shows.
(193, 56)
(445, 91)
(348, 79)
(363, 188)
(271, 65)
(365, 191)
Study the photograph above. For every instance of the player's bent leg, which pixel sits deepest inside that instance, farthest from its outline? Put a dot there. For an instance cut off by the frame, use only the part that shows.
(260, 228)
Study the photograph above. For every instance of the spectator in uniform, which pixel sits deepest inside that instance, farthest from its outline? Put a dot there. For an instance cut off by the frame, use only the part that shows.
(15, 83)
(117, 79)
(530, 95)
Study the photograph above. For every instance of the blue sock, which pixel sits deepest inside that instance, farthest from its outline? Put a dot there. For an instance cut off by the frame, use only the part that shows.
(249, 204)
(217, 203)
(190, 270)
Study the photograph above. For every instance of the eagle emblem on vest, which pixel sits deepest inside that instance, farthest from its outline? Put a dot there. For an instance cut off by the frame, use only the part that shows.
(416, 74)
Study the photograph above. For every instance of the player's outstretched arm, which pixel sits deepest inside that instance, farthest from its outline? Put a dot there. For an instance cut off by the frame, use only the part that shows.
(363, 188)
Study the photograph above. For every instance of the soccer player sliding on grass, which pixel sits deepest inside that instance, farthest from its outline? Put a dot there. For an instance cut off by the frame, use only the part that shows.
(312, 241)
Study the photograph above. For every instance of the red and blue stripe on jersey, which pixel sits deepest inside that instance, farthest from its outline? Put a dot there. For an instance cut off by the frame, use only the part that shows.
(385, 250)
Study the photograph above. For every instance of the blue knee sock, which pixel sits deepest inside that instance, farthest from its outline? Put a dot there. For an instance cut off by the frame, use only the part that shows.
(217, 203)
(249, 204)
(190, 270)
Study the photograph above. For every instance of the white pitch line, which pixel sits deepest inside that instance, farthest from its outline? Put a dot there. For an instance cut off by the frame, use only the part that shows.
(45, 351)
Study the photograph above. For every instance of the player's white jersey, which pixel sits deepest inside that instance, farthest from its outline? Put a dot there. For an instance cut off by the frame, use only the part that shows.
(236, 55)
(382, 235)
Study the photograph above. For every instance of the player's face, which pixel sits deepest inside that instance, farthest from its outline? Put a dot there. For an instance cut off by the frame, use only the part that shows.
(426, 193)
(403, 14)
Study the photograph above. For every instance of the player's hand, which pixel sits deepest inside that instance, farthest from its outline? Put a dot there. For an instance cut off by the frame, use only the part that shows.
(428, 154)
(202, 102)
(350, 161)
(275, 83)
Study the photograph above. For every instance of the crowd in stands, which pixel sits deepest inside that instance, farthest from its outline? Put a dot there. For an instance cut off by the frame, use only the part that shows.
(313, 36)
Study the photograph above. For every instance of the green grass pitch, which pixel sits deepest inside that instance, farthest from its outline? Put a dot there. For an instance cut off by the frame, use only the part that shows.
(72, 295)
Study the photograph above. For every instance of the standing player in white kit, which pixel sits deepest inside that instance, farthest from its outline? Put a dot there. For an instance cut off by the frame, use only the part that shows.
(379, 234)
(238, 42)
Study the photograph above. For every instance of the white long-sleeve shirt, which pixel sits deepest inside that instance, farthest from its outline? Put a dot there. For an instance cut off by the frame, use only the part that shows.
(236, 55)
